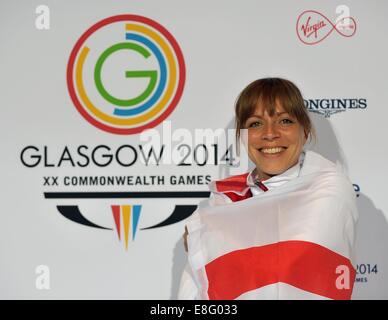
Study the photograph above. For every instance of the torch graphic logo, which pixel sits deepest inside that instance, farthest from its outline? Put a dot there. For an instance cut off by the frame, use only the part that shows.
(129, 217)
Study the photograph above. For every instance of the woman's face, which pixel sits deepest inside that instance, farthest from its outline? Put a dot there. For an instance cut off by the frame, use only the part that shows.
(274, 143)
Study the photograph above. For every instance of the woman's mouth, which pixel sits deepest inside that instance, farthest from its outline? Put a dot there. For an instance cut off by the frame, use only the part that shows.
(272, 150)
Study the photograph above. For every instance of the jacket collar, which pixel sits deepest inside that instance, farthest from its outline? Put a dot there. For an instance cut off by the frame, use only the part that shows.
(241, 184)
(277, 180)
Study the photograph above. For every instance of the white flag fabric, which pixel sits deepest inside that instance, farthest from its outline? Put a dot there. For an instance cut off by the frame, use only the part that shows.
(293, 242)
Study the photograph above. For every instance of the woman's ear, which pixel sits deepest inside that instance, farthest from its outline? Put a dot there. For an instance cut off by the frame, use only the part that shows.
(306, 134)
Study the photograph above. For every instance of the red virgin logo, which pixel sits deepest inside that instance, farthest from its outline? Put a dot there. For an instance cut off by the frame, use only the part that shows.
(313, 27)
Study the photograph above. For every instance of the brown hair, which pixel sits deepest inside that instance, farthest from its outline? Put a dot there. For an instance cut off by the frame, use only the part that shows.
(267, 92)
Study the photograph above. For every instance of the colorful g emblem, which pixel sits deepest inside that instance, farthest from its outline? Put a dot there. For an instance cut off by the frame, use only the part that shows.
(128, 76)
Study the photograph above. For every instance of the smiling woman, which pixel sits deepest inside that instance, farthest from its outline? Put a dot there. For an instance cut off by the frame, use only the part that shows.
(278, 124)
(285, 230)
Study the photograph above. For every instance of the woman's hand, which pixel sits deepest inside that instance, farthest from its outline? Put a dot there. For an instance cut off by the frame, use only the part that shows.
(185, 239)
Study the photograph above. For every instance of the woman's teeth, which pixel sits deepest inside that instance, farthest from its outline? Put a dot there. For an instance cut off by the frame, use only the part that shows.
(272, 150)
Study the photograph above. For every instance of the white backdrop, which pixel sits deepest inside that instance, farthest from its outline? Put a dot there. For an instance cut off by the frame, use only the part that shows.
(225, 45)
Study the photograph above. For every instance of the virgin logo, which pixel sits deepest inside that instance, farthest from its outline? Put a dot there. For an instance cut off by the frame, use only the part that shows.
(313, 27)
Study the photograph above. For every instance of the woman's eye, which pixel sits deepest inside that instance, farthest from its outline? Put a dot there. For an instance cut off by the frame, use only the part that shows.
(254, 124)
(286, 121)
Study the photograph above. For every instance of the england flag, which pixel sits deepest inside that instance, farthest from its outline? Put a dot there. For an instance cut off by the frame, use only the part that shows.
(292, 242)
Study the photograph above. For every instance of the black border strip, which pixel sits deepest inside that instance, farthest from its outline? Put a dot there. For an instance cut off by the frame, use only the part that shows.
(116, 195)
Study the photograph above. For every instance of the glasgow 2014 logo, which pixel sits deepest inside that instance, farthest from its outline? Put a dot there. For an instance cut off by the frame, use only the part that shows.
(125, 74)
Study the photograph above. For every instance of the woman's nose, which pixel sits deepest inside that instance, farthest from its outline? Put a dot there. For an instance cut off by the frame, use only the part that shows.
(270, 132)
